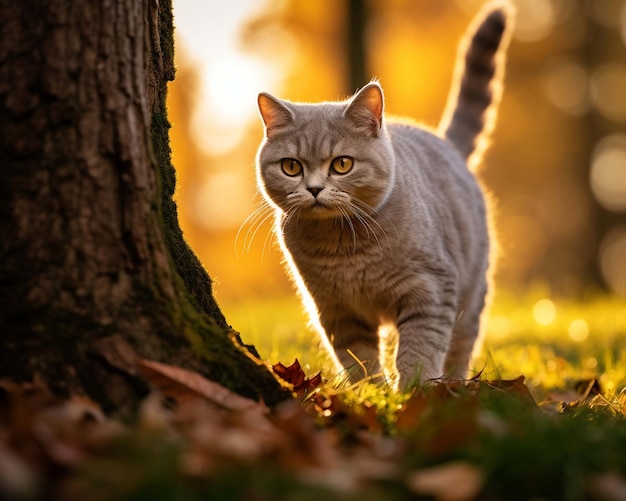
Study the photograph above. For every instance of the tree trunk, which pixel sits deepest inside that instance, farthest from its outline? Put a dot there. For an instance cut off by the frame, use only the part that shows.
(93, 267)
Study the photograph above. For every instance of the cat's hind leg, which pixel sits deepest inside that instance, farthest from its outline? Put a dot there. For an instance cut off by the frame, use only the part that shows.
(466, 331)
(457, 359)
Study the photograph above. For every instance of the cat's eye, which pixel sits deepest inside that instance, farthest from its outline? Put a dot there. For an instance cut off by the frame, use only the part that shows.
(291, 167)
(342, 165)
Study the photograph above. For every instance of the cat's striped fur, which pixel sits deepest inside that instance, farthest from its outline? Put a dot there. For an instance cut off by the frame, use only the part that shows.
(382, 225)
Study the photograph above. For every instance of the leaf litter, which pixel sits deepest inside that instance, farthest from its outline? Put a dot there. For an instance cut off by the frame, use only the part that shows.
(440, 442)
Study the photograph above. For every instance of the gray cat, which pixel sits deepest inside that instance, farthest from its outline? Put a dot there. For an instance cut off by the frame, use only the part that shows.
(382, 224)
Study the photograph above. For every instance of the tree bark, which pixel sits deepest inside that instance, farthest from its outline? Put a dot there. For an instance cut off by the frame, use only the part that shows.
(94, 270)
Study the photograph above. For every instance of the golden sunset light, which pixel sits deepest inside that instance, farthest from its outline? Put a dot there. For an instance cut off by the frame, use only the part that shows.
(313, 249)
(548, 193)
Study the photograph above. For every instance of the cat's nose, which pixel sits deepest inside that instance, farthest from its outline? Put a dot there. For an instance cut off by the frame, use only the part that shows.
(314, 190)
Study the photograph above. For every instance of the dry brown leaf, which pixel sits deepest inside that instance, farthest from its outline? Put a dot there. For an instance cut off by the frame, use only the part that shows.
(182, 385)
(305, 444)
(217, 436)
(18, 479)
(454, 481)
(585, 392)
(588, 388)
(454, 432)
(24, 401)
(515, 387)
(411, 413)
(295, 376)
(610, 486)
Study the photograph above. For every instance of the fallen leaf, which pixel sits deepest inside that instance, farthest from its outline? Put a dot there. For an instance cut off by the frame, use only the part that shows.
(454, 481)
(182, 385)
(610, 486)
(411, 413)
(586, 392)
(18, 479)
(587, 388)
(295, 376)
(515, 387)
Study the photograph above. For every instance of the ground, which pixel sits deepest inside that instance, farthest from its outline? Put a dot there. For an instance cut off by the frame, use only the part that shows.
(544, 418)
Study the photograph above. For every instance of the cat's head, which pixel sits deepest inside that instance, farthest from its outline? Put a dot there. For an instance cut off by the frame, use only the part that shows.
(326, 160)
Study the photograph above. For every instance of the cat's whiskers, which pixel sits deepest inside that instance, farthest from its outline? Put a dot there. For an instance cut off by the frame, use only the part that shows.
(254, 222)
(345, 216)
(290, 213)
(367, 212)
(371, 226)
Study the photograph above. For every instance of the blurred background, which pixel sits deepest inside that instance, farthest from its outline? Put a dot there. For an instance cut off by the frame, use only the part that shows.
(556, 170)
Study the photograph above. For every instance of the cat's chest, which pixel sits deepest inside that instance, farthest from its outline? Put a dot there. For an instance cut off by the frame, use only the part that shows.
(339, 267)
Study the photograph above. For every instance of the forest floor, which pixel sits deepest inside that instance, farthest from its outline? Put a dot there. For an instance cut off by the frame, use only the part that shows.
(544, 418)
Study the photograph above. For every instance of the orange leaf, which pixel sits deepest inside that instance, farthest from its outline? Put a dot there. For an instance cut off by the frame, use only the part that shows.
(183, 385)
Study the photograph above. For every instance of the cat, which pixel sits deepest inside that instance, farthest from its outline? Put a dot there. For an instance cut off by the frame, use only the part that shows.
(382, 224)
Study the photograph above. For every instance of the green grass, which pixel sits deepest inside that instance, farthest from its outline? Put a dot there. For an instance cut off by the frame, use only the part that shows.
(278, 328)
(555, 341)
(551, 347)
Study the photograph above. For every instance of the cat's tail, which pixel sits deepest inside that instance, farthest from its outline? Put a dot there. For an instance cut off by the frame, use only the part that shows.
(471, 110)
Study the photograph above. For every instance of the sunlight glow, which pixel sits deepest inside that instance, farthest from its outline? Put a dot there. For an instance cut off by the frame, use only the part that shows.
(544, 312)
(578, 330)
(608, 172)
(228, 103)
(229, 79)
(535, 20)
(607, 90)
(613, 260)
(214, 211)
(566, 85)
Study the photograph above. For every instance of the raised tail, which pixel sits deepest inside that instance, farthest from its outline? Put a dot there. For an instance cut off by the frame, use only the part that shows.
(471, 110)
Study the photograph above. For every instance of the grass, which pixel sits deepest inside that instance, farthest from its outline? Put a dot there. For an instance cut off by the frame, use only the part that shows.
(550, 341)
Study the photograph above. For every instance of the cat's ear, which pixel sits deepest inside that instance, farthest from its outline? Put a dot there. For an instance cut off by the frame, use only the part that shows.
(274, 113)
(366, 108)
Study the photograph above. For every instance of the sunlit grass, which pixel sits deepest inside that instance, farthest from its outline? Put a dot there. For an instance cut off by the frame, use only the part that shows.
(554, 341)
(551, 341)
(278, 328)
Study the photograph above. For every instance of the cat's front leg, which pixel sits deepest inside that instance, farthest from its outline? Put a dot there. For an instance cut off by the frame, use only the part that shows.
(424, 334)
(355, 341)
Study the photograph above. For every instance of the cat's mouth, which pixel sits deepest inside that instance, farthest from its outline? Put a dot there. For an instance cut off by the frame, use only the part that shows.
(317, 209)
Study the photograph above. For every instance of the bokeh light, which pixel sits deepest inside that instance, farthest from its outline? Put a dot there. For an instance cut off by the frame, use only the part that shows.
(567, 86)
(578, 330)
(544, 312)
(535, 19)
(608, 172)
(229, 78)
(613, 260)
(608, 84)
(607, 13)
